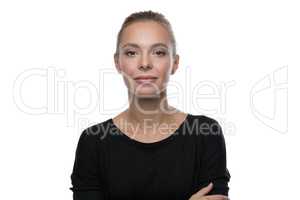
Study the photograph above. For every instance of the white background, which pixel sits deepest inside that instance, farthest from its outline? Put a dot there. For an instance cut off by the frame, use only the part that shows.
(57, 77)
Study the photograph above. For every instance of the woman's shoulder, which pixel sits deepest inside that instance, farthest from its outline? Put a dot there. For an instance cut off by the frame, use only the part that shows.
(203, 120)
(95, 132)
(204, 125)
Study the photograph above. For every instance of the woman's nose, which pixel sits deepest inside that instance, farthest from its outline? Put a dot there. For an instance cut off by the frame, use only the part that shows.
(145, 63)
(145, 67)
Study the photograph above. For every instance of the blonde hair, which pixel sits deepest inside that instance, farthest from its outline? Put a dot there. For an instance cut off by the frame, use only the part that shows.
(147, 16)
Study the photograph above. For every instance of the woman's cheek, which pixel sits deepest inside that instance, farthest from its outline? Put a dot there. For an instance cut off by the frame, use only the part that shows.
(129, 67)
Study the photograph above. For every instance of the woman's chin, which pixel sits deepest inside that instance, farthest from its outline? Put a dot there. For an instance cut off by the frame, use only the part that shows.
(147, 93)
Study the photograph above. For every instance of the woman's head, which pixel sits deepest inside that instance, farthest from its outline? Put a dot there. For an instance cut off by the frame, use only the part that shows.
(146, 46)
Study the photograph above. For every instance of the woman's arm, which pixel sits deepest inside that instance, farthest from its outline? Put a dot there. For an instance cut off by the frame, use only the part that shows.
(85, 176)
(213, 159)
(87, 195)
(202, 194)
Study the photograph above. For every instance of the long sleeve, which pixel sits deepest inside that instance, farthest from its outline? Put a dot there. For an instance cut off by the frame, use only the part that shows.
(213, 160)
(85, 176)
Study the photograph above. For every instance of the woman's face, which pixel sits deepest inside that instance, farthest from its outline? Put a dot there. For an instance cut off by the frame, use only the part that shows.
(145, 50)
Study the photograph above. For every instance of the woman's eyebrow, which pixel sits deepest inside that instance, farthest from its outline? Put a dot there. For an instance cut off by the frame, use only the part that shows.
(159, 44)
(152, 46)
(131, 44)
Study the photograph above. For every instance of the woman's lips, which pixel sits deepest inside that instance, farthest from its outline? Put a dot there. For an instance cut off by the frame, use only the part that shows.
(145, 80)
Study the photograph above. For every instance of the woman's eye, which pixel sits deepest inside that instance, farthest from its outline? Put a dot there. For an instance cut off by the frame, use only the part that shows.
(160, 53)
(130, 53)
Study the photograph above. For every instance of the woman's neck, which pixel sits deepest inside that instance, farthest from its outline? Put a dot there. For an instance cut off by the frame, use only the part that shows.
(149, 110)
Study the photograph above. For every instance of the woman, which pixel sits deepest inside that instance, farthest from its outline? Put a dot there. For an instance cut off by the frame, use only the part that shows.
(151, 150)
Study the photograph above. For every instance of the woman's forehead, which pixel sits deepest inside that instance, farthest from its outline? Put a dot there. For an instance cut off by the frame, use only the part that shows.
(145, 34)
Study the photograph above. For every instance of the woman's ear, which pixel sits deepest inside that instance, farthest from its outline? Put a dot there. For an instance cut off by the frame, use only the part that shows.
(116, 60)
(175, 64)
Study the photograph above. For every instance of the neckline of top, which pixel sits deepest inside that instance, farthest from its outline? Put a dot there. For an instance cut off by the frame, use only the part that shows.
(151, 144)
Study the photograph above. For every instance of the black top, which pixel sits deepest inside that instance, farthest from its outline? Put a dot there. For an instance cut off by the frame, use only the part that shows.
(110, 165)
